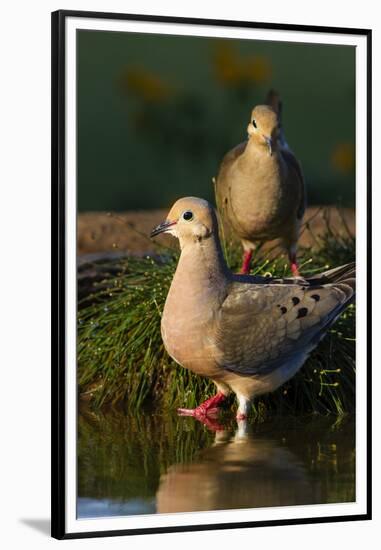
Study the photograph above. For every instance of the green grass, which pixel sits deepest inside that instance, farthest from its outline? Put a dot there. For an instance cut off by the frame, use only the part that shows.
(122, 360)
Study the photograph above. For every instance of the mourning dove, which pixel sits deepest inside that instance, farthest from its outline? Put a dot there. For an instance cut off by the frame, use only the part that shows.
(248, 334)
(260, 186)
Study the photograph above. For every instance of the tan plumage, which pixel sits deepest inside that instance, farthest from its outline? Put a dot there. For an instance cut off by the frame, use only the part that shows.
(260, 186)
(248, 334)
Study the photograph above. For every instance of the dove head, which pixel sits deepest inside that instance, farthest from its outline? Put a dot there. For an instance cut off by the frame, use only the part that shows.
(263, 128)
(190, 220)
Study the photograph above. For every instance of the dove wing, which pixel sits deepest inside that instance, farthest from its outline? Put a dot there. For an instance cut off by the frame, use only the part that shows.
(260, 326)
(295, 167)
(222, 182)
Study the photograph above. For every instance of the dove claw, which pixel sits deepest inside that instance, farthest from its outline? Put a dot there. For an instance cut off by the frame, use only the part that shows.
(198, 412)
(208, 408)
(186, 412)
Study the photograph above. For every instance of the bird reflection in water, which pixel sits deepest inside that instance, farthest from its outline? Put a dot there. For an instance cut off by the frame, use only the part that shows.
(240, 470)
(151, 463)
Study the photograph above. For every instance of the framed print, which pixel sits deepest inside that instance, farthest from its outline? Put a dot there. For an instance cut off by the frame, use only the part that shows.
(211, 192)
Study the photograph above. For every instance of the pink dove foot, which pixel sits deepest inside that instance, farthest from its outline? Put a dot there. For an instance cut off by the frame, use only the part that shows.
(207, 408)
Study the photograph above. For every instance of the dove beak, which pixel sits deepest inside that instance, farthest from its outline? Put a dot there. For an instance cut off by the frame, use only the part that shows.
(162, 228)
(269, 143)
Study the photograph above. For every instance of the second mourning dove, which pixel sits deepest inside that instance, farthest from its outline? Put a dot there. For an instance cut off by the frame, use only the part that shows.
(260, 186)
(248, 334)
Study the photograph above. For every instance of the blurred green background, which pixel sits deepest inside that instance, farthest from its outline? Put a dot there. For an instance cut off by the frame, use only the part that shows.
(156, 114)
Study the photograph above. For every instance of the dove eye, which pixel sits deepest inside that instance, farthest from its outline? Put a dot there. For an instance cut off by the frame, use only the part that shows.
(254, 123)
(188, 216)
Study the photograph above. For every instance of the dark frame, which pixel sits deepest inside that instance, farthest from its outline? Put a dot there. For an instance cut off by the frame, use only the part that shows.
(58, 272)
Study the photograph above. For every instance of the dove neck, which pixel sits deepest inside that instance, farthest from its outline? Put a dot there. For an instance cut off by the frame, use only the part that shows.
(203, 261)
(256, 148)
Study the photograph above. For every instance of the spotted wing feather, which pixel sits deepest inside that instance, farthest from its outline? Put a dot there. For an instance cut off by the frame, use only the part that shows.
(261, 326)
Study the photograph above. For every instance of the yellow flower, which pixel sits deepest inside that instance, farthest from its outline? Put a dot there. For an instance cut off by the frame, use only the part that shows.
(226, 66)
(145, 85)
(258, 68)
(343, 157)
(231, 69)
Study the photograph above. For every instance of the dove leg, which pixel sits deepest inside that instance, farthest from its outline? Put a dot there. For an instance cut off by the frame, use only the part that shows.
(245, 269)
(243, 407)
(242, 430)
(248, 251)
(293, 262)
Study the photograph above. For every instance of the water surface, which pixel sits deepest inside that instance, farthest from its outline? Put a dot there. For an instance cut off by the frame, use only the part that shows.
(154, 463)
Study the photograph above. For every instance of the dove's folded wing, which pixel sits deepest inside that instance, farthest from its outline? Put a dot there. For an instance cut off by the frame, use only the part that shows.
(294, 166)
(223, 182)
(259, 327)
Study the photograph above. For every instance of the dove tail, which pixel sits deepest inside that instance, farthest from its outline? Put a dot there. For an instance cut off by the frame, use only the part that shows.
(344, 273)
(273, 100)
(343, 279)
